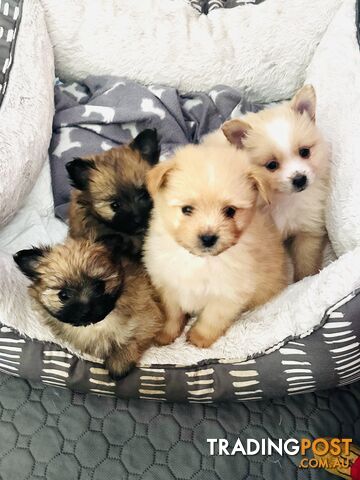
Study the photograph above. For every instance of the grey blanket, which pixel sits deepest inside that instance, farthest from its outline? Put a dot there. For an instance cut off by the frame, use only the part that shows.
(103, 112)
(206, 6)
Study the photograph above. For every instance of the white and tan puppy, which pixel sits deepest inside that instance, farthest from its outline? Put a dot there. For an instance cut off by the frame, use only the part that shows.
(209, 250)
(286, 143)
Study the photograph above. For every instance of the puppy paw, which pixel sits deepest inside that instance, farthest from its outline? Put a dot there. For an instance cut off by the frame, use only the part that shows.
(171, 331)
(165, 338)
(118, 372)
(198, 339)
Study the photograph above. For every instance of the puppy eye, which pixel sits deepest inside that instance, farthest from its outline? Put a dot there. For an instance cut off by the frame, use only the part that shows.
(98, 287)
(115, 206)
(187, 210)
(229, 212)
(272, 166)
(64, 295)
(304, 152)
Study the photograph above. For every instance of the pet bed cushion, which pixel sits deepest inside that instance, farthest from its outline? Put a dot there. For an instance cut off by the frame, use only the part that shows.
(327, 358)
(27, 107)
(240, 365)
(248, 47)
(10, 16)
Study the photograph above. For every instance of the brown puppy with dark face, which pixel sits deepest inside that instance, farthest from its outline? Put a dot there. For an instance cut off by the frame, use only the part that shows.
(93, 302)
(110, 196)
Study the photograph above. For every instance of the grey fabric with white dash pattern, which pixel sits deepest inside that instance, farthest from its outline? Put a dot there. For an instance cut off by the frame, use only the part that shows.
(327, 358)
(10, 16)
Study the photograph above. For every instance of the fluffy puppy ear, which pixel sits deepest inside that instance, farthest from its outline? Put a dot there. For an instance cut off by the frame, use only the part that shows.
(156, 177)
(236, 131)
(147, 144)
(28, 261)
(79, 172)
(305, 101)
(261, 184)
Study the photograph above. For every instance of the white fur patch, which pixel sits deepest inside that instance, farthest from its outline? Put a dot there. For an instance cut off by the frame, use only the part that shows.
(211, 174)
(279, 130)
(299, 211)
(175, 202)
(295, 167)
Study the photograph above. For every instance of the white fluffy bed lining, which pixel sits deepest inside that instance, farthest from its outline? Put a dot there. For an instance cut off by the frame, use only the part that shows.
(301, 307)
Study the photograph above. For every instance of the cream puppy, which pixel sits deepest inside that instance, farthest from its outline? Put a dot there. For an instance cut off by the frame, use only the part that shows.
(286, 143)
(209, 250)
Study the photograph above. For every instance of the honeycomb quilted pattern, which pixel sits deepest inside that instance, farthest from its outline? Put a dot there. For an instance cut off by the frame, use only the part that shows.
(55, 434)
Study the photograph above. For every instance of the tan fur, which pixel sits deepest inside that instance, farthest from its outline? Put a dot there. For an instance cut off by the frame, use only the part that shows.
(306, 251)
(114, 169)
(297, 215)
(123, 335)
(156, 178)
(247, 265)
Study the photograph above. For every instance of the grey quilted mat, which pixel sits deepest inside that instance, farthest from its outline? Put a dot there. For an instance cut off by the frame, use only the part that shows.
(55, 434)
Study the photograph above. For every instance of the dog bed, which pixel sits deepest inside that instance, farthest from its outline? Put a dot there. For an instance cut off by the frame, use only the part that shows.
(305, 339)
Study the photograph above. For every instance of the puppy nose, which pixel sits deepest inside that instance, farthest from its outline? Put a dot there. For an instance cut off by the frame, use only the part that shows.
(299, 181)
(208, 240)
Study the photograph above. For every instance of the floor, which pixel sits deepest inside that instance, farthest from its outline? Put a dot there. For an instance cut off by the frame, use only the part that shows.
(55, 434)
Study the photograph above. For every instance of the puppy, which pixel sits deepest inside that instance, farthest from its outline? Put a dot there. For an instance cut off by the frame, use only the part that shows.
(92, 302)
(285, 142)
(208, 250)
(110, 196)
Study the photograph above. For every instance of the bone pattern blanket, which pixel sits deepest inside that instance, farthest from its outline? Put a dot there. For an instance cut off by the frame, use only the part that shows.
(103, 112)
(206, 6)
